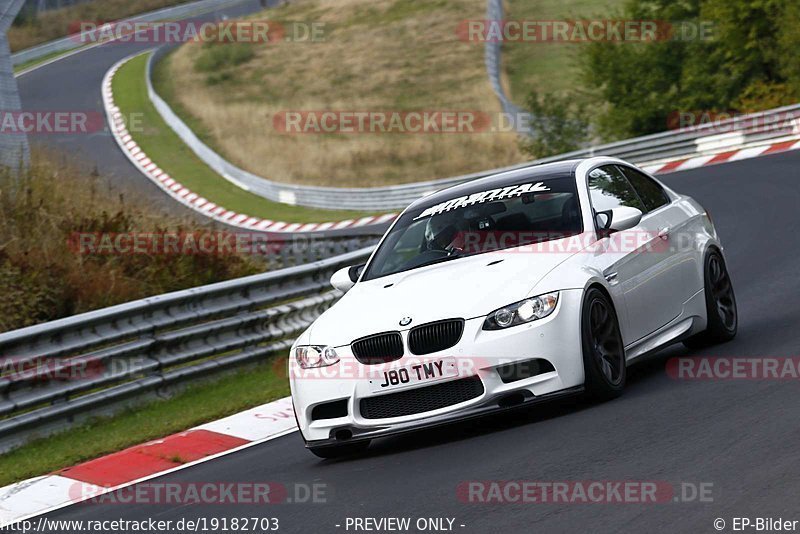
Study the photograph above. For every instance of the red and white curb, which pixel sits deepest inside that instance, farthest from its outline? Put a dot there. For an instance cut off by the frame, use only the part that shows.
(36, 496)
(182, 194)
(763, 148)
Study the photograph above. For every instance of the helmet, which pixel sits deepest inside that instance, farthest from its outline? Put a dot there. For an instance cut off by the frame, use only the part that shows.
(440, 231)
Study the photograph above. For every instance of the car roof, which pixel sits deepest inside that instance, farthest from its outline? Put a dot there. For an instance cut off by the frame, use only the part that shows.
(545, 171)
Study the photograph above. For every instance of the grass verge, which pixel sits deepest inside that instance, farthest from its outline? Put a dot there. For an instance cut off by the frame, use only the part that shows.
(195, 405)
(384, 56)
(163, 146)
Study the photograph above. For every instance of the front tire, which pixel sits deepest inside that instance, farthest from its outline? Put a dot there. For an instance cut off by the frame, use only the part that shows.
(603, 350)
(340, 451)
(721, 312)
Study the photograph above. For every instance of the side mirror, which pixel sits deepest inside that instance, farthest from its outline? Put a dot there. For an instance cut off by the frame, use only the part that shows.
(346, 277)
(618, 219)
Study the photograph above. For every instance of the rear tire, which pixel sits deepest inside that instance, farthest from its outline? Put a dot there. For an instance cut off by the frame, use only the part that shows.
(340, 451)
(603, 350)
(721, 312)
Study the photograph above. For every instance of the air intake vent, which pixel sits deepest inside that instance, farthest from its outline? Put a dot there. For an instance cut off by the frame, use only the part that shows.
(433, 337)
(378, 348)
(522, 370)
(421, 400)
(329, 410)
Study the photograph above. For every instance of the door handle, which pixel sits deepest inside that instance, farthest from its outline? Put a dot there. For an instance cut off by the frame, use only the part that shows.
(611, 278)
(663, 233)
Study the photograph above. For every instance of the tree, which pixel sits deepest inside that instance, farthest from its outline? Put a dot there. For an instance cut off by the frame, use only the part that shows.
(559, 124)
(749, 63)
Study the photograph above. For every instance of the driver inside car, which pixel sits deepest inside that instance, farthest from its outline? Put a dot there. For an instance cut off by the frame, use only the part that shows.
(444, 233)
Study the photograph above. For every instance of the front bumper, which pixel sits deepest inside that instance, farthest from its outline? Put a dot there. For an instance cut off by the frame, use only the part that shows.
(556, 339)
(487, 407)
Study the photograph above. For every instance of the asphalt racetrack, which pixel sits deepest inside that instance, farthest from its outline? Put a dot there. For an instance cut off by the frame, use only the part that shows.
(738, 439)
(735, 438)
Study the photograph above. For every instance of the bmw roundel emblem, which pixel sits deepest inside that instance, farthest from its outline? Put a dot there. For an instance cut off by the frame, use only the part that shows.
(405, 321)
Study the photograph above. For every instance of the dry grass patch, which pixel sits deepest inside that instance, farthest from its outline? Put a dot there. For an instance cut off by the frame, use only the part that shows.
(377, 55)
(42, 274)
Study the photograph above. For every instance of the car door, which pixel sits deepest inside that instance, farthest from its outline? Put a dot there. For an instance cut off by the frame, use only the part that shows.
(676, 249)
(631, 266)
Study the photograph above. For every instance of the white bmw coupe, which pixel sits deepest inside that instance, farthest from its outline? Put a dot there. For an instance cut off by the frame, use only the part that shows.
(505, 291)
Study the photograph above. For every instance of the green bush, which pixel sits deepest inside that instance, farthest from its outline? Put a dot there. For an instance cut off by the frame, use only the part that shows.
(218, 56)
(559, 123)
(750, 63)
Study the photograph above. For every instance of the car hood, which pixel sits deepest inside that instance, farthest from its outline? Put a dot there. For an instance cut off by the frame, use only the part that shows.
(466, 287)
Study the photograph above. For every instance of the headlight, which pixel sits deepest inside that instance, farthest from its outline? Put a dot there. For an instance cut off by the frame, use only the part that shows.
(521, 312)
(310, 356)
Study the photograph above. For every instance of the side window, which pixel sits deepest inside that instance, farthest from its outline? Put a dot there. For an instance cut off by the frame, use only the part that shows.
(652, 194)
(608, 188)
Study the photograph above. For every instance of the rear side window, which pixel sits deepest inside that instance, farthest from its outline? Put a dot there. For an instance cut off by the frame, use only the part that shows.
(652, 194)
(608, 189)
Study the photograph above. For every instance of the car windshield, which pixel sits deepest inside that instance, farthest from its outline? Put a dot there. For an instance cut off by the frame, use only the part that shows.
(486, 220)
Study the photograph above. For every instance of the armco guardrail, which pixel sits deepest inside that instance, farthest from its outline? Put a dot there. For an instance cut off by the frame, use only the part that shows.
(277, 251)
(493, 60)
(73, 42)
(58, 373)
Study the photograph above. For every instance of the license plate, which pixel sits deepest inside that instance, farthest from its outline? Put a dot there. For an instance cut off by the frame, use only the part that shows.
(399, 377)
